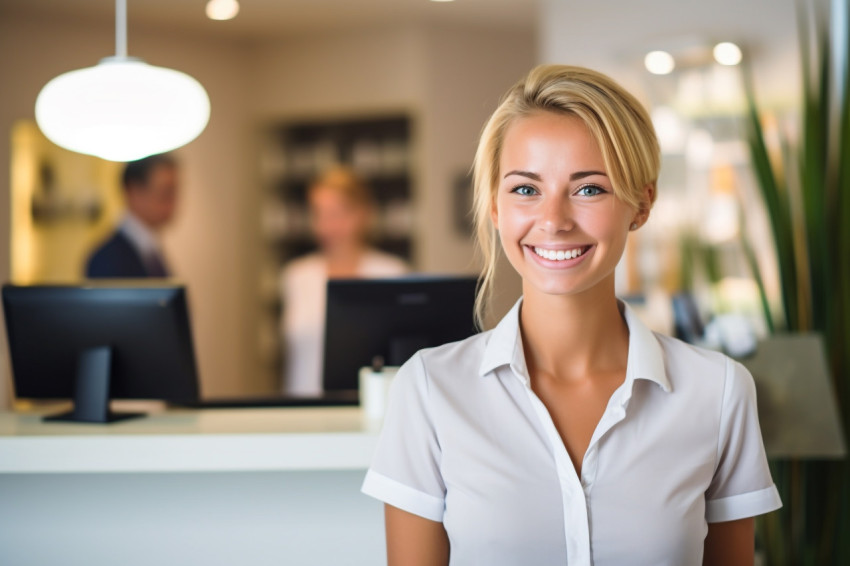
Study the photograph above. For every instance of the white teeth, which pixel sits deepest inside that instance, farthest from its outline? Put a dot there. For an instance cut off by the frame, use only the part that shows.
(558, 255)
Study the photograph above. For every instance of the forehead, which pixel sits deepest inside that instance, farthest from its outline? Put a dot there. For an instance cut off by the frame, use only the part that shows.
(330, 195)
(162, 172)
(543, 137)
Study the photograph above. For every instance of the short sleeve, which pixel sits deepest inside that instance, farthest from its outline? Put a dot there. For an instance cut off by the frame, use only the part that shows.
(741, 486)
(405, 471)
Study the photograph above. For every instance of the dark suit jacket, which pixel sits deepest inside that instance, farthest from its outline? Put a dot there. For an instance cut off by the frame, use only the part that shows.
(116, 258)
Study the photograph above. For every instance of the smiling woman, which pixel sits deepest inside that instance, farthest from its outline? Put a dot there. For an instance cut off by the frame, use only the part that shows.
(555, 183)
(570, 433)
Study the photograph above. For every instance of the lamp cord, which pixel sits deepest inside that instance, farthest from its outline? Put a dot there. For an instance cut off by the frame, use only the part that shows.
(121, 28)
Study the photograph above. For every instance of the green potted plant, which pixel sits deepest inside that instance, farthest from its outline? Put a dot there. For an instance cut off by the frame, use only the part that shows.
(807, 196)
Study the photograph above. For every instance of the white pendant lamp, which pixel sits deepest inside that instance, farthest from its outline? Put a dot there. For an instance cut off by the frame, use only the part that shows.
(122, 109)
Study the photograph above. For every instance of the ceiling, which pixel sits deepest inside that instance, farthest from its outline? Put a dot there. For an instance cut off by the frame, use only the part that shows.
(276, 18)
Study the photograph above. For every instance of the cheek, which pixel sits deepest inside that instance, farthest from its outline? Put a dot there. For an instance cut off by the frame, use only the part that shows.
(323, 223)
(506, 217)
(501, 220)
(605, 223)
(513, 224)
(350, 225)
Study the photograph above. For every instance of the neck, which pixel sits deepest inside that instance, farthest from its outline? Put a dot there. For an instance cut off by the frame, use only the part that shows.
(344, 262)
(142, 222)
(574, 336)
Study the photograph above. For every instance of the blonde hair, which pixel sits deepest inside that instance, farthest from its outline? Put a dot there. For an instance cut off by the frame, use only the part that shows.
(616, 120)
(347, 182)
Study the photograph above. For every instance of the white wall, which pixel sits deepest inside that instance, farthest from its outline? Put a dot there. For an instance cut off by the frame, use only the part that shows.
(343, 72)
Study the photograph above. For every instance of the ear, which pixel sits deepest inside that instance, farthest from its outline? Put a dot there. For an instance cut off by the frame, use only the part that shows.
(494, 214)
(642, 213)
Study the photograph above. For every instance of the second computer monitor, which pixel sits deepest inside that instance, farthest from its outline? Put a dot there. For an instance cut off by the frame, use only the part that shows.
(391, 318)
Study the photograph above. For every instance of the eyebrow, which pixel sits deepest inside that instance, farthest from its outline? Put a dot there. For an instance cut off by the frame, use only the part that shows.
(574, 177)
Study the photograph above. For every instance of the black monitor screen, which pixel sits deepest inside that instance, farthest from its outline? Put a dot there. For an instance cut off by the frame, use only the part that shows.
(138, 339)
(391, 318)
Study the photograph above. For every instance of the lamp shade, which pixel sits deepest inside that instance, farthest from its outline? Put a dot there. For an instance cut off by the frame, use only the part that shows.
(122, 109)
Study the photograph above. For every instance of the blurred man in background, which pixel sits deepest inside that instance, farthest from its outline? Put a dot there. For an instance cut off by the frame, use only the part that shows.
(133, 250)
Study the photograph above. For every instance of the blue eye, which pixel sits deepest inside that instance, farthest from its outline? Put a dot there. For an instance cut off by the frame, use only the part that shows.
(525, 191)
(590, 190)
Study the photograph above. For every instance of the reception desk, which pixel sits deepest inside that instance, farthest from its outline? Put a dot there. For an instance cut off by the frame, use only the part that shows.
(215, 486)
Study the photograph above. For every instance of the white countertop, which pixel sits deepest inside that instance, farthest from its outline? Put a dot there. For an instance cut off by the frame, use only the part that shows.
(207, 440)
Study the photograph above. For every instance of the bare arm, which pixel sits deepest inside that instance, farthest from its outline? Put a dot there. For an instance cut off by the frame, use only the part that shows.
(413, 540)
(731, 543)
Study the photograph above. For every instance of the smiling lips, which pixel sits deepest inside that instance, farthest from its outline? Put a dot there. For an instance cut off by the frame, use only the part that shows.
(560, 255)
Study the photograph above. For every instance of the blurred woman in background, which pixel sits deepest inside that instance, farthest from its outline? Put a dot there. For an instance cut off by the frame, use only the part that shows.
(342, 211)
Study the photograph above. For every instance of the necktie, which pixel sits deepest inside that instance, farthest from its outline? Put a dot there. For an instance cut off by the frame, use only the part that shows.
(155, 265)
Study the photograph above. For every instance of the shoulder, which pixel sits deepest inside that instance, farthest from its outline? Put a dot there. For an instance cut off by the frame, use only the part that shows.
(115, 257)
(452, 366)
(706, 371)
(681, 354)
(303, 266)
(467, 351)
(380, 264)
(307, 261)
(116, 243)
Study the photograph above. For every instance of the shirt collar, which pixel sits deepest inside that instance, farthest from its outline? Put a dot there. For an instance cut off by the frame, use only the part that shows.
(505, 346)
(645, 360)
(142, 237)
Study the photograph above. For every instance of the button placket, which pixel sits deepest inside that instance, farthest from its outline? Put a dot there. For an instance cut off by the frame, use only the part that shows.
(574, 502)
(588, 469)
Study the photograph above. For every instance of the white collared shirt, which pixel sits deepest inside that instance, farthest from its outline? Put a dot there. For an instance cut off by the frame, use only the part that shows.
(142, 237)
(467, 442)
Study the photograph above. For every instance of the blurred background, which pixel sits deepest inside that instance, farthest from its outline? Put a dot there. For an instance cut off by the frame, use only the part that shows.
(399, 91)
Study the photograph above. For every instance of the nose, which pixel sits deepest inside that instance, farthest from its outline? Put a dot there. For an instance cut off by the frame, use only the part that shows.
(556, 215)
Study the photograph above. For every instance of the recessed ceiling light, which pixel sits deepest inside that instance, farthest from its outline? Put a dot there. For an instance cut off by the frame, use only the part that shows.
(659, 62)
(727, 53)
(222, 9)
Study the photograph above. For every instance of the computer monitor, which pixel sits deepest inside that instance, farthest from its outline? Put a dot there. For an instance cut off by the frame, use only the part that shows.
(91, 344)
(391, 318)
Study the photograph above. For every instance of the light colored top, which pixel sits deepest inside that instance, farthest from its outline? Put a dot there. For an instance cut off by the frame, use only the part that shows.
(184, 440)
(467, 442)
(303, 285)
(143, 238)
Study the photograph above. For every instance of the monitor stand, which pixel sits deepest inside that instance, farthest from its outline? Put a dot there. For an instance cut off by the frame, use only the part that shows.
(91, 390)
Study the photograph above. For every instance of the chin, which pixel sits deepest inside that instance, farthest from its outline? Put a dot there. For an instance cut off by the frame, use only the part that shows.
(550, 287)
(564, 286)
